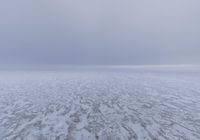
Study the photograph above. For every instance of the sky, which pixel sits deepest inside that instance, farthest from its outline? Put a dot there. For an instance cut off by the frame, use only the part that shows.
(100, 32)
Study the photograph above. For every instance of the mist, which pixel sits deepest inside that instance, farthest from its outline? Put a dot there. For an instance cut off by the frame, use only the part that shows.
(92, 32)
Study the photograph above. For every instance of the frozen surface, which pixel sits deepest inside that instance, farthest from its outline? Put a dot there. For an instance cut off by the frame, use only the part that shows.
(113, 103)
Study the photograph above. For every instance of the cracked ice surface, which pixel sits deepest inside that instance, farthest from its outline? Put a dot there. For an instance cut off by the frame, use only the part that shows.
(129, 103)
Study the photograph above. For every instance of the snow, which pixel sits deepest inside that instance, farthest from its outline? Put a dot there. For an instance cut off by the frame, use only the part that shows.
(101, 103)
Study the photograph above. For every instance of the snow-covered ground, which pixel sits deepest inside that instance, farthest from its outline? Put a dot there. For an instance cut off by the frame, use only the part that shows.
(102, 103)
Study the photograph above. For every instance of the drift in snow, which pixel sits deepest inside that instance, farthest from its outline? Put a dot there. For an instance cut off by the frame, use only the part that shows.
(102, 103)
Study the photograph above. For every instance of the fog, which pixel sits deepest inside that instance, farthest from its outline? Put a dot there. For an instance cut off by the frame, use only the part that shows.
(92, 32)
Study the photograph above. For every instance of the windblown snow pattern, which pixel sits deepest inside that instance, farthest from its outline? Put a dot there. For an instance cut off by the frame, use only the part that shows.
(101, 103)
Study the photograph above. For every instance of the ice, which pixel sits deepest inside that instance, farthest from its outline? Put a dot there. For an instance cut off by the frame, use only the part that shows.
(101, 103)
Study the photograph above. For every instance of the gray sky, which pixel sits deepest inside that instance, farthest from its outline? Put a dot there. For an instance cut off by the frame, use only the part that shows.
(100, 31)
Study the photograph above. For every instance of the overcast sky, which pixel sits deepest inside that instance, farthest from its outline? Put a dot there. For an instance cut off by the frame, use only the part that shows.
(100, 31)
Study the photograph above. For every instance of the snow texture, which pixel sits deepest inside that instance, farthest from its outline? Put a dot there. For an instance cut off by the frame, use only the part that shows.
(103, 103)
